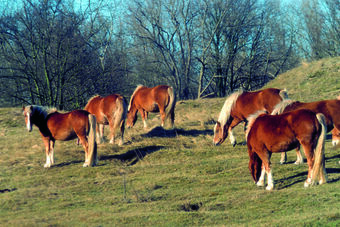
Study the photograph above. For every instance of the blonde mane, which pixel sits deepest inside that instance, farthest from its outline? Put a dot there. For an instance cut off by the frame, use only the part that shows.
(133, 94)
(251, 119)
(90, 99)
(42, 110)
(227, 107)
(280, 107)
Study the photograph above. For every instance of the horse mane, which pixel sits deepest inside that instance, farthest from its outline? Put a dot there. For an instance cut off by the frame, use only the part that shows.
(251, 119)
(43, 110)
(90, 99)
(133, 94)
(280, 107)
(228, 105)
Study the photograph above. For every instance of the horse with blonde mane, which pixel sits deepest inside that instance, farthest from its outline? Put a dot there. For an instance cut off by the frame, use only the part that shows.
(267, 134)
(160, 99)
(63, 126)
(329, 108)
(109, 110)
(240, 105)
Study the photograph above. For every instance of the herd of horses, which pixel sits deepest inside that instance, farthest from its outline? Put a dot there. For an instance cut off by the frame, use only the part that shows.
(273, 123)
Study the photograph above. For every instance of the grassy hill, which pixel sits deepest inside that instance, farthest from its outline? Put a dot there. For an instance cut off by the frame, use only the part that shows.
(311, 81)
(166, 177)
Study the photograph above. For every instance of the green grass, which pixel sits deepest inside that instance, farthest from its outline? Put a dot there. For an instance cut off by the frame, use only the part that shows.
(159, 178)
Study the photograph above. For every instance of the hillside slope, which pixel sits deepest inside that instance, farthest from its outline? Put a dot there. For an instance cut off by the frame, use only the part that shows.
(311, 81)
(164, 177)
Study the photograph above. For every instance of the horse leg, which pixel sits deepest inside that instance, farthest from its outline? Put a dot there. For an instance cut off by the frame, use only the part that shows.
(144, 116)
(299, 158)
(100, 133)
(52, 151)
(260, 182)
(310, 162)
(283, 159)
(84, 142)
(265, 157)
(233, 124)
(112, 130)
(47, 152)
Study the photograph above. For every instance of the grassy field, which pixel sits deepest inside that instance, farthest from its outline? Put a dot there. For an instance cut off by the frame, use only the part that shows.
(166, 177)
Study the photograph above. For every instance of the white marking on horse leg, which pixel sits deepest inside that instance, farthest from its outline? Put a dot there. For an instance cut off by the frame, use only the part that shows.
(335, 142)
(270, 185)
(299, 159)
(308, 182)
(145, 125)
(260, 183)
(121, 142)
(283, 158)
(232, 137)
(112, 140)
(48, 161)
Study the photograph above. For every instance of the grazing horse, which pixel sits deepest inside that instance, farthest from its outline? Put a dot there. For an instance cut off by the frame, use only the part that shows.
(160, 99)
(109, 110)
(329, 108)
(63, 126)
(267, 134)
(240, 105)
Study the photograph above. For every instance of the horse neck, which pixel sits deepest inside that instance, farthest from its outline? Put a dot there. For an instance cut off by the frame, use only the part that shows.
(39, 119)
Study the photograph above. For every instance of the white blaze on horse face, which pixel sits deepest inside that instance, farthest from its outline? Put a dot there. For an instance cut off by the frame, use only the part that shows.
(28, 123)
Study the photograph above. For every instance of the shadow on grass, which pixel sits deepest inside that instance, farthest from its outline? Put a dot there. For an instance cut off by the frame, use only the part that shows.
(134, 155)
(161, 132)
(66, 163)
(304, 174)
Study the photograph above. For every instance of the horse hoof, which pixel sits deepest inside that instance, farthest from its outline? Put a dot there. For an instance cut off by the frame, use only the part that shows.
(85, 165)
(260, 184)
(234, 144)
(47, 166)
(298, 163)
(282, 162)
(269, 187)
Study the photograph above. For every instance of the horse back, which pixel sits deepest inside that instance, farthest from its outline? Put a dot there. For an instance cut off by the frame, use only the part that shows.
(278, 133)
(150, 99)
(329, 108)
(251, 102)
(66, 126)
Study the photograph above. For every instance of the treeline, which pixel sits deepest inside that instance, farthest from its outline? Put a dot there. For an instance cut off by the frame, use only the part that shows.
(62, 52)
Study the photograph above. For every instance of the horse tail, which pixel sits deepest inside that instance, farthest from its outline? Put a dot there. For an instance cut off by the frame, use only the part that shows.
(283, 94)
(172, 102)
(120, 114)
(255, 164)
(319, 155)
(92, 149)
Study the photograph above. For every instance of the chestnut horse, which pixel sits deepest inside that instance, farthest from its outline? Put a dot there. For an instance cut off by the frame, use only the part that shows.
(267, 134)
(329, 108)
(63, 126)
(160, 99)
(109, 110)
(239, 105)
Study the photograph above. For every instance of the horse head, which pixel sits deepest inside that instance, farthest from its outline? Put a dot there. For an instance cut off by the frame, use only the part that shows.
(220, 133)
(28, 112)
(131, 118)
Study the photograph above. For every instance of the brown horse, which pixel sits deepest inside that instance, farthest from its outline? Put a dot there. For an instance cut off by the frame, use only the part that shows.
(267, 134)
(160, 99)
(329, 108)
(63, 126)
(239, 105)
(109, 110)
